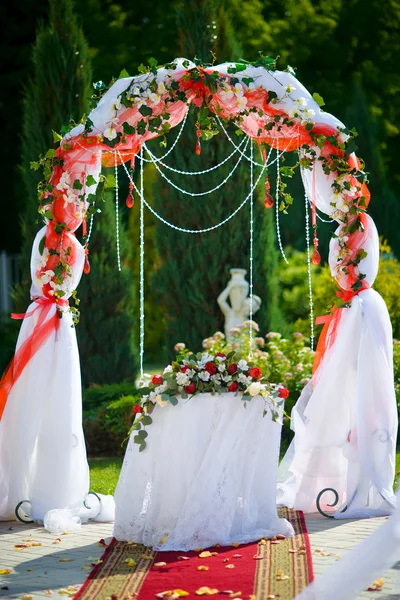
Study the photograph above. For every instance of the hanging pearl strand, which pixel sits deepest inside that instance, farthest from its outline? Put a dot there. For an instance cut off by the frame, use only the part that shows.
(160, 158)
(251, 250)
(255, 163)
(310, 293)
(277, 211)
(141, 280)
(195, 231)
(117, 211)
(196, 194)
(192, 173)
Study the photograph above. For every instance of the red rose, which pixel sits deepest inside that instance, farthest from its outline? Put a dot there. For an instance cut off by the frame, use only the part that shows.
(233, 386)
(136, 409)
(255, 372)
(211, 368)
(232, 369)
(157, 380)
(191, 388)
(221, 355)
(283, 392)
(185, 368)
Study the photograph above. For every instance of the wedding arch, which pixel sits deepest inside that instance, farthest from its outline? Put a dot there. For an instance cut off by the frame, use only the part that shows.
(346, 418)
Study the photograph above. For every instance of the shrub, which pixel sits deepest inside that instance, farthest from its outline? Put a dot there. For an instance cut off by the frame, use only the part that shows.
(106, 426)
(96, 396)
(294, 285)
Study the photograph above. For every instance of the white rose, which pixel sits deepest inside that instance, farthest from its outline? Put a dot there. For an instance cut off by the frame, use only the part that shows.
(167, 369)
(161, 89)
(255, 388)
(242, 365)
(243, 379)
(221, 368)
(204, 375)
(110, 133)
(182, 379)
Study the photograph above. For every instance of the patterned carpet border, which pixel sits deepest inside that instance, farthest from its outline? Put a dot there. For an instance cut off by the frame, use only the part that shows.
(129, 571)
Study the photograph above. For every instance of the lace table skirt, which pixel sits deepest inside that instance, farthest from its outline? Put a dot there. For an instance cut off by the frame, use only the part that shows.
(207, 476)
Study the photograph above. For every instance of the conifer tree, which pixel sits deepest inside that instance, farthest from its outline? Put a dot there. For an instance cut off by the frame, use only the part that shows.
(106, 327)
(57, 91)
(195, 268)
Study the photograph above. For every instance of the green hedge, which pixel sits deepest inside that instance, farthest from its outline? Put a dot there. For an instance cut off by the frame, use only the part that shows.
(96, 396)
(106, 426)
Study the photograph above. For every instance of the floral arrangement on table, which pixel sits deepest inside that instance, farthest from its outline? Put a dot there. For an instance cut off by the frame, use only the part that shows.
(225, 367)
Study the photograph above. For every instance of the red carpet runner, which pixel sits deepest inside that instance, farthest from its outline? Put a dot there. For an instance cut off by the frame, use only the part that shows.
(268, 569)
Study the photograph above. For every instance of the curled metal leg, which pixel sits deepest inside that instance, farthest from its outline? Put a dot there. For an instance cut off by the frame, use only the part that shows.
(334, 503)
(90, 507)
(21, 514)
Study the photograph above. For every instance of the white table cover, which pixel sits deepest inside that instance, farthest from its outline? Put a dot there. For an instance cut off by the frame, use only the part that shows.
(207, 476)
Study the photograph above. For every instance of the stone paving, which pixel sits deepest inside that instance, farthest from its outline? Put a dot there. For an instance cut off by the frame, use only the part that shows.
(56, 565)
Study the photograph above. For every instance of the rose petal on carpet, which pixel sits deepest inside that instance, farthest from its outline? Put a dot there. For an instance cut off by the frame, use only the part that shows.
(278, 568)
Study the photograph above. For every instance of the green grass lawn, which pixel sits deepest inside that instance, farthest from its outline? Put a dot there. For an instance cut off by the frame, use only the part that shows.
(104, 473)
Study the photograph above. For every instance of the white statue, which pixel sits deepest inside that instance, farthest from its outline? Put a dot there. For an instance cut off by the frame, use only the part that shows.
(239, 309)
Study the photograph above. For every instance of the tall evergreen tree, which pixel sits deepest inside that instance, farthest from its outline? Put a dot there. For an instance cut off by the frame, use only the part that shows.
(57, 91)
(105, 330)
(195, 268)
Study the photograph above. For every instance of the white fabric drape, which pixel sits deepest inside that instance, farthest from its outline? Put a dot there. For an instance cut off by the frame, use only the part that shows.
(345, 421)
(42, 448)
(207, 476)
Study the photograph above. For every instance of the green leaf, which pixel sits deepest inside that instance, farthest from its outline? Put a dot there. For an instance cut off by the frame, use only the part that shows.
(318, 99)
(41, 244)
(141, 127)
(77, 185)
(153, 62)
(50, 153)
(142, 447)
(124, 73)
(56, 136)
(147, 420)
(128, 129)
(90, 180)
(271, 96)
(357, 285)
(146, 111)
(49, 215)
(174, 400)
(109, 182)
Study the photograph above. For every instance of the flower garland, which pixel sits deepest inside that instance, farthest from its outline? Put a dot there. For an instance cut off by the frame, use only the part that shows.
(150, 104)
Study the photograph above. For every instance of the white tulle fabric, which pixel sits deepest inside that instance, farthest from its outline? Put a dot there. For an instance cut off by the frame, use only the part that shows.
(345, 421)
(42, 448)
(359, 567)
(207, 476)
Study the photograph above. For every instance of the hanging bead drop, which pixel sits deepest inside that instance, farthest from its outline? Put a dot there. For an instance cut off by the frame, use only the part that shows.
(198, 144)
(130, 201)
(268, 200)
(86, 264)
(316, 257)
